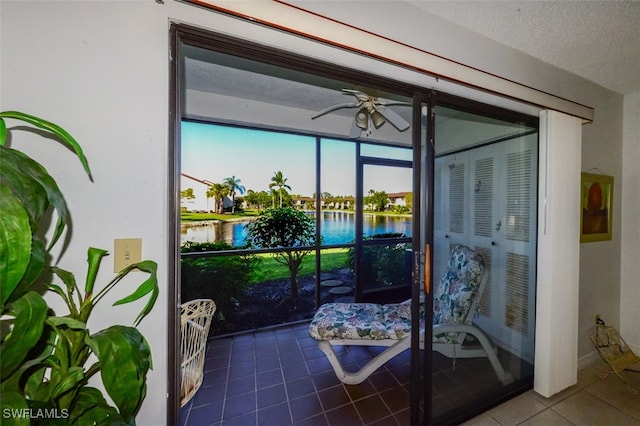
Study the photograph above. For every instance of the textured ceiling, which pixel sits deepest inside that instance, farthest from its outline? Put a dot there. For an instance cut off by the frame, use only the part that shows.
(597, 40)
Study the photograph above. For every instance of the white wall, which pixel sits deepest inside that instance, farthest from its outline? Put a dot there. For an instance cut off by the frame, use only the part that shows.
(100, 69)
(630, 270)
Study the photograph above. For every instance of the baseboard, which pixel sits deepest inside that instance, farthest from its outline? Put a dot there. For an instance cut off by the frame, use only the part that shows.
(588, 359)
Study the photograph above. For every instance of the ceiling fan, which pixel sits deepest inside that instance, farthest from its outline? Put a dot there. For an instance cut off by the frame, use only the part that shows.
(371, 110)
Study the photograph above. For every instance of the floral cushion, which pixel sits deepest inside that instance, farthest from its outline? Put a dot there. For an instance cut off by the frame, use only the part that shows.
(397, 318)
(452, 299)
(349, 321)
(363, 321)
(455, 292)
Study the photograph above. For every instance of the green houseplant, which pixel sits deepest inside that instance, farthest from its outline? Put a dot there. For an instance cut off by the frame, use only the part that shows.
(46, 360)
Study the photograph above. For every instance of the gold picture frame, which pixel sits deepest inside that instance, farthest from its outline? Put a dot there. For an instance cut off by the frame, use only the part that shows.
(596, 207)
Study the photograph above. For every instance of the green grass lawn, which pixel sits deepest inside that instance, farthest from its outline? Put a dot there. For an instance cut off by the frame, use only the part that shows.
(270, 270)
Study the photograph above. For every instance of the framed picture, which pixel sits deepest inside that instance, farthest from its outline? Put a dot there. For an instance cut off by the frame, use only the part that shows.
(596, 207)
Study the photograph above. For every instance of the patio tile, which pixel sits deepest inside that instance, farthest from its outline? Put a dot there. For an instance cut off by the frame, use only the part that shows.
(334, 397)
(306, 406)
(300, 387)
(345, 415)
(325, 380)
(295, 371)
(268, 378)
(239, 405)
(271, 396)
(276, 415)
(240, 370)
(371, 409)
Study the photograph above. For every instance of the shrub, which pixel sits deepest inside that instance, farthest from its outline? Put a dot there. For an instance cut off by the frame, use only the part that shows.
(282, 228)
(382, 264)
(221, 278)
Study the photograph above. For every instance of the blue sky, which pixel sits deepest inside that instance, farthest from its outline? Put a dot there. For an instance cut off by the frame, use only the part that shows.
(214, 152)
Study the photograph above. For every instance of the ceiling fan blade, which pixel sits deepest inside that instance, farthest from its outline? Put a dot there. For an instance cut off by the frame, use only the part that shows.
(362, 97)
(385, 102)
(333, 108)
(394, 118)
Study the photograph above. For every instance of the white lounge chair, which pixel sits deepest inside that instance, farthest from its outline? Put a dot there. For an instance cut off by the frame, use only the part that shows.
(456, 299)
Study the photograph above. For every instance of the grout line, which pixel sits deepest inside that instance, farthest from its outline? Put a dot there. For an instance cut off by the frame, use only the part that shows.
(284, 380)
(550, 404)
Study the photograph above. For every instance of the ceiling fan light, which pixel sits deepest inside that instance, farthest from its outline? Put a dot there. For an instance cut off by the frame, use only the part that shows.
(377, 118)
(362, 118)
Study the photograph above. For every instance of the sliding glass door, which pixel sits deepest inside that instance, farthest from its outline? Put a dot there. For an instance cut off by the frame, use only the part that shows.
(485, 186)
(388, 180)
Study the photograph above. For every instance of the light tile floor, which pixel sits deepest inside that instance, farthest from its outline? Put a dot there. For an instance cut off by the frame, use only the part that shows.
(598, 399)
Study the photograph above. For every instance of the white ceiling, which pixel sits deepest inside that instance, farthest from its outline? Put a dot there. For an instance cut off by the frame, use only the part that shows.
(597, 40)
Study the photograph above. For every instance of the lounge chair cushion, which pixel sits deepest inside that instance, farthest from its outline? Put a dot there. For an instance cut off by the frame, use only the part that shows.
(349, 321)
(456, 290)
(365, 321)
(397, 319)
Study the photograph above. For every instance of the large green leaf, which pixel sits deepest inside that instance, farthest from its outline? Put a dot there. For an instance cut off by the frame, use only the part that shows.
(40, 178)
(13, 409)
(149, 286)
(27, 189)
(70, 282)
(15, 243)
(73, 377)
(52, 128)
(91, 408)
(94, 258)
(71, 323)
(39, 257)
(125, 359)
(3, 132)
(36, 388)
(29, 314)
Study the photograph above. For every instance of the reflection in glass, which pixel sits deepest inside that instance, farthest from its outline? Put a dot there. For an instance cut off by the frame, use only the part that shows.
(485, 178)
(386, 151)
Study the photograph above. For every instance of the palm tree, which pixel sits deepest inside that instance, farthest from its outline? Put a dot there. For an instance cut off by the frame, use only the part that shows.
(234, 185)
(280, 182)
(218, 191)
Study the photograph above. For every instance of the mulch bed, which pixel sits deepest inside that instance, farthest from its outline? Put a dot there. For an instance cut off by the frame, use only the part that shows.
(270, 303)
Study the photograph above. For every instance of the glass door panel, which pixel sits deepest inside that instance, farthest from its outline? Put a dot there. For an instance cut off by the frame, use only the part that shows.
(383, 229)
(485, 186)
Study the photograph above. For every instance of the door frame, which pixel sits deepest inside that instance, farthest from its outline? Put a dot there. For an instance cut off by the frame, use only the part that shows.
(423, 179)
(361, 162)
(184, 34)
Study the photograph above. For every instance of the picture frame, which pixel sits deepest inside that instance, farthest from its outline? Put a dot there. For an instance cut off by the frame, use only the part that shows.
(596, 207)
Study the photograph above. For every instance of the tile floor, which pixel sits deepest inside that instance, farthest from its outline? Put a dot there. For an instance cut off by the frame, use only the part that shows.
(249, 380)
(598, 399)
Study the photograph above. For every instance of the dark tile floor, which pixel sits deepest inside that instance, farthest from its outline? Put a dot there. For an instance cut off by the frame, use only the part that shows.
(280, 377)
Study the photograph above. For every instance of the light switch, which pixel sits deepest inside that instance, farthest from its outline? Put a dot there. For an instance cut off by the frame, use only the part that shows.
(126, 251)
